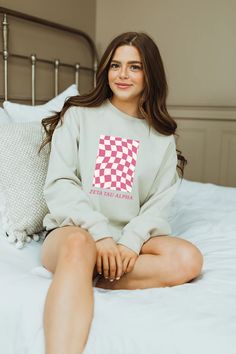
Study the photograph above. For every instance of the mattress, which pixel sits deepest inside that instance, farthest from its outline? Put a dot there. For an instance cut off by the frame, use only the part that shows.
(196, 317)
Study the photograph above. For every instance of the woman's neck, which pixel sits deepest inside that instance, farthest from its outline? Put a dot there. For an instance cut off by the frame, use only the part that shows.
(130, 108)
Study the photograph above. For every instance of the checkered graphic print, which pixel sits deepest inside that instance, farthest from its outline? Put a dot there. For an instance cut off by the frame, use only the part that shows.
(115, 164)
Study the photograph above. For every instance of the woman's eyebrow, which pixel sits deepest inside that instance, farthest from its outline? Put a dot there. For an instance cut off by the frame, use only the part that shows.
(129, 62)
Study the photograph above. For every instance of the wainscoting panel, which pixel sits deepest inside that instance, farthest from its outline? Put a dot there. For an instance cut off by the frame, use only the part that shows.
(228, 157)
(207, 139)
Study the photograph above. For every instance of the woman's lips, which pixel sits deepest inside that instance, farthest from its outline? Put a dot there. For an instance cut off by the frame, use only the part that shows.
(122, 86)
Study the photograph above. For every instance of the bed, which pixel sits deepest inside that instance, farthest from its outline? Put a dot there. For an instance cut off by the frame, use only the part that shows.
(197, 317)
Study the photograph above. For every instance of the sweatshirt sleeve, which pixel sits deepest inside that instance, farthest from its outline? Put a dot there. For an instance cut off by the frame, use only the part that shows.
(68, 204)
(152, 219)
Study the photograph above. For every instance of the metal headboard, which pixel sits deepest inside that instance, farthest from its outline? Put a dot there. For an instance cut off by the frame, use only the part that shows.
(57, 64)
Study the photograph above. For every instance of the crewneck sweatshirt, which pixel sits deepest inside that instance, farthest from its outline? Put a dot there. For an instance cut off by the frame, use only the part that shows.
(110, 174)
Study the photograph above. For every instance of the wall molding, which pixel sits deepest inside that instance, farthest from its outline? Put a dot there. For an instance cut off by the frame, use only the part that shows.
(213, 113)
(209, 145)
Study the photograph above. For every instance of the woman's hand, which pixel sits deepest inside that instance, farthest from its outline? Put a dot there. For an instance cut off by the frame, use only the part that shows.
(128, 258)
(108, 259)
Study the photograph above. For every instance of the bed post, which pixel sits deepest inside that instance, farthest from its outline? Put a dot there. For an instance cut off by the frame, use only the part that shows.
(56, 76)
(33, 78)
(5, 54)
(95, 68)
(77, 66)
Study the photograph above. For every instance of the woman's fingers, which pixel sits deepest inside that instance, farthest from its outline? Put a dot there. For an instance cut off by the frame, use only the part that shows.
(112, 267)
(125, 264)
(105, 266)
(99, 264)
(119, 266)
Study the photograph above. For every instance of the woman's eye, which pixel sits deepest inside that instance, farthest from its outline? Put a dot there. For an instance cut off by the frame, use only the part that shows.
(135, 67)
(114, 66)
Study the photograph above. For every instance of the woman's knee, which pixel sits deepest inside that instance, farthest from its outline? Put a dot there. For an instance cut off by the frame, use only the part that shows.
(67, 243)
(78, 246)
(189, 263)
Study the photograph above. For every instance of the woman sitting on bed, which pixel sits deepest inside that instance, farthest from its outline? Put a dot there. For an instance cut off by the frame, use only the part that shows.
(111, 177)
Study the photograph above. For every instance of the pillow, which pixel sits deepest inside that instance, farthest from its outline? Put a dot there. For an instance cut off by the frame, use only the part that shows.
(4, 117)
(22, 177)
(24, 113)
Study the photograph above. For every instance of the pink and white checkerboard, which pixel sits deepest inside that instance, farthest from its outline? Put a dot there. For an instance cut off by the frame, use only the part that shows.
(115, 163)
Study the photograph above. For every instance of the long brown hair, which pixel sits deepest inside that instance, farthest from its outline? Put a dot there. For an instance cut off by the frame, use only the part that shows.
(152, 103)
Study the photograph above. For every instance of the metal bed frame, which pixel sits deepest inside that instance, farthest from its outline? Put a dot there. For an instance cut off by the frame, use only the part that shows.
(34, 59)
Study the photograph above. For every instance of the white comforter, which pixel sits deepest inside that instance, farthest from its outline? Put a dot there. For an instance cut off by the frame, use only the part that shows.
(194, 318)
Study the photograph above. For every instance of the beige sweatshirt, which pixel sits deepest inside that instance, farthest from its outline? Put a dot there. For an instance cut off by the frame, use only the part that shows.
(111, 175)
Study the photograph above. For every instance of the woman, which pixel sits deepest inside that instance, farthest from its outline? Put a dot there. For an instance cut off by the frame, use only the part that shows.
(111, 177)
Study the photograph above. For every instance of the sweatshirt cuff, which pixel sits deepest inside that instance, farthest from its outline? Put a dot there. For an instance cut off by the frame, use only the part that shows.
(132, 241)
(100, 230)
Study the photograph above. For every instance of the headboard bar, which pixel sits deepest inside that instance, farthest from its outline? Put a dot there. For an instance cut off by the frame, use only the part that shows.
(47, 61)
(50, 24)
(53, 25)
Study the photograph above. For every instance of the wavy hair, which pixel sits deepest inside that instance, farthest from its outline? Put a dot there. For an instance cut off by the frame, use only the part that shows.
(152, 103)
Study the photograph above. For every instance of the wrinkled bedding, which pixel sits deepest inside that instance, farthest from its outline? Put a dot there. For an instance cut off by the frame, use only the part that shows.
(198, 317)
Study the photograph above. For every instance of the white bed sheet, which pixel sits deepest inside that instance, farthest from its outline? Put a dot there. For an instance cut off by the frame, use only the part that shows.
(197, 317)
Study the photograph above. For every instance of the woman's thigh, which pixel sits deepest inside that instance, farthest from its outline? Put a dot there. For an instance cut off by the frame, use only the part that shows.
(166, 245)
(53, 243)
(180, 252)
(175, 248)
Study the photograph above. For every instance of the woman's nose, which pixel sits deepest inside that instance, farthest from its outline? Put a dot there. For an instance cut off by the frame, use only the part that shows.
(123, 73)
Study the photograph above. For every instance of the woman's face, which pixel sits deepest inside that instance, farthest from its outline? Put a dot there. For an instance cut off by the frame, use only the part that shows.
(125, 75)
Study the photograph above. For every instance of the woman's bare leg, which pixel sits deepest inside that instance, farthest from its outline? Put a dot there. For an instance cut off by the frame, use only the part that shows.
(163, 261)
(70, 253)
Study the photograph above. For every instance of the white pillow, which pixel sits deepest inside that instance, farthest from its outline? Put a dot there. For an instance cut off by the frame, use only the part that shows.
(4, 117)
(22, 177)
(24, 113)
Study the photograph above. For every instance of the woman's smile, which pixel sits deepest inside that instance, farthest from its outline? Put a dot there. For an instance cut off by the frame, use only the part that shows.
(122, 85)
(126, 78)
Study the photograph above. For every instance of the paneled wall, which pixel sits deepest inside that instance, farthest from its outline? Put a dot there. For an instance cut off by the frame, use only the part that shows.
(207, 138)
